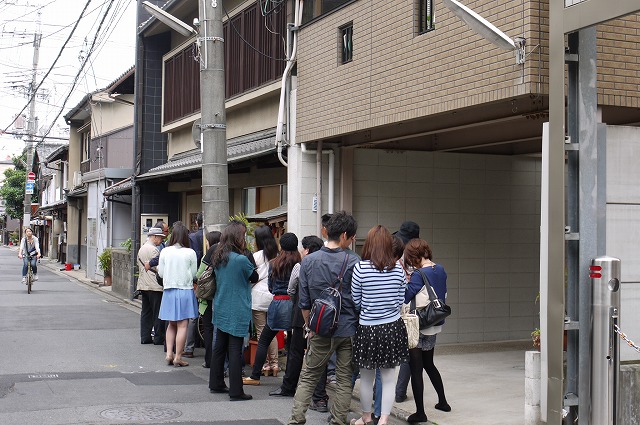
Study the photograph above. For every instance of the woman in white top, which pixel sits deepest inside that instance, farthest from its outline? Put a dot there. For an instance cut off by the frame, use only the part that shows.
(260, 296)
(177, 267)
(29, 247)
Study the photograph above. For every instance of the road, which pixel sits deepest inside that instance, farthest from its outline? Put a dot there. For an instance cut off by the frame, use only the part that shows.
(71, 354)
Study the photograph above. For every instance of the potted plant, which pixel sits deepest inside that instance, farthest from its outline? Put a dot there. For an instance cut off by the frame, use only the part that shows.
(104, 260)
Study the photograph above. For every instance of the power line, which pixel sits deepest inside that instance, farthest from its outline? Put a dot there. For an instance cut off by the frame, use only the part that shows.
(79, 71)
(33, 93)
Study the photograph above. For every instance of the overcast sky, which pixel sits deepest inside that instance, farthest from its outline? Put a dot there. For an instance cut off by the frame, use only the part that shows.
(113, 54)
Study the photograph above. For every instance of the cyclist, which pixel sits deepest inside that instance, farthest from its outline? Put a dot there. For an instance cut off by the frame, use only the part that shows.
(29, 251)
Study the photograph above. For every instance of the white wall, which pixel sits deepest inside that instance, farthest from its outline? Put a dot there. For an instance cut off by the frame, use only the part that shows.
(480, 214)
(623, 225)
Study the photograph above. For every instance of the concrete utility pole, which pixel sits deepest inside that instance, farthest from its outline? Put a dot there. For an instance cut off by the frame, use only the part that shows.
(31, 130)
(213, 129)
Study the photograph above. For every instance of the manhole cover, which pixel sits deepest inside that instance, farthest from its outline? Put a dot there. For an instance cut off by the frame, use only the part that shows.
(140, 413)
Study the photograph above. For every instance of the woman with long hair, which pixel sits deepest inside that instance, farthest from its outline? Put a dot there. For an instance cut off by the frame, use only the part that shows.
(417, 254)
(378, 286)
(260, 295)
(205, 306)
(177, 267)
(231, 310)
(281, 309)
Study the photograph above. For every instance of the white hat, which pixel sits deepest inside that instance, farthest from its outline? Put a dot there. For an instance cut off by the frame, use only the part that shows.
(156, 231)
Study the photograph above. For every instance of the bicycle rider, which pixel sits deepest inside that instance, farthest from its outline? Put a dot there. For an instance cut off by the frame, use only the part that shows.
(29, 251)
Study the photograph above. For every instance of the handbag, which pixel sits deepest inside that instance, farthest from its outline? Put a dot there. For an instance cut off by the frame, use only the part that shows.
(412, 324)
(206, 286)
(436, 311)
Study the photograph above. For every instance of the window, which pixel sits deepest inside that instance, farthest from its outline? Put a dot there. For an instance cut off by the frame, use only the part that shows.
(253, 56)
(426, 20)
(346, 43)
(314, 8)
(181, 86)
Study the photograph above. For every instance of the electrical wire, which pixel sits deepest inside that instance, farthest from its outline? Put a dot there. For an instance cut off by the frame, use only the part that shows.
(91, 49)
(35, 91)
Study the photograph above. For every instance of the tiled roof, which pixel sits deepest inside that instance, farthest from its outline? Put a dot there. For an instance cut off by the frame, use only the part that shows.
(238, 149)
(270, 214)
(43, 150)
(121, 186)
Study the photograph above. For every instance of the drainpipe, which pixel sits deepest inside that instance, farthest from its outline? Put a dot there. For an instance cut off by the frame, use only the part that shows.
(332, 161)
(285, 87)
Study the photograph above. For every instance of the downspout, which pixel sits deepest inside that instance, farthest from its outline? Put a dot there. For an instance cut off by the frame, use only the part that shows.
(285, 87)
(331, 178)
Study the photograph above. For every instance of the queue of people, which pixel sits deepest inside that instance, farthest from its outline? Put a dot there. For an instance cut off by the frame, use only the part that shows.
(274, 289)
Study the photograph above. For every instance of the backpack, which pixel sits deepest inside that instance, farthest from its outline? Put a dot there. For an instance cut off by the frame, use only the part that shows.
(206, 287)
(325, 310)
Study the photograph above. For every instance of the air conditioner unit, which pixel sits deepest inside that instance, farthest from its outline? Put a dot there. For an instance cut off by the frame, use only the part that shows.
(77, 178)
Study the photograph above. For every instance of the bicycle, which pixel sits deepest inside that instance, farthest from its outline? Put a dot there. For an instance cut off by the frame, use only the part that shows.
(29, 274)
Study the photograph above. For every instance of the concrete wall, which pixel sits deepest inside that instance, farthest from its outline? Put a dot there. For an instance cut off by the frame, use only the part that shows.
(121, 273)
(623, 224)
(107, 117)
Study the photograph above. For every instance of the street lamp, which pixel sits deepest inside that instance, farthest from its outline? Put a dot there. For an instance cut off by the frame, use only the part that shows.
(168, 19)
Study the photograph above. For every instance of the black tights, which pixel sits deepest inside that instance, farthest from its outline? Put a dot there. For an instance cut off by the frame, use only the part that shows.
(419, 360)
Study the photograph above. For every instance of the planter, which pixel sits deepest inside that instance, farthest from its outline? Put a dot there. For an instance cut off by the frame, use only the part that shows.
(253, 348)
(107, 281)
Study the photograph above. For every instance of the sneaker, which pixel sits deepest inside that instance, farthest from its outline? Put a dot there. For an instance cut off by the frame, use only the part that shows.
(35, 277)
(319, 406)
(24, 280)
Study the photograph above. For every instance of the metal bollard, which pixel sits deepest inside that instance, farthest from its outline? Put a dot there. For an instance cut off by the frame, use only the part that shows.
(605, 346)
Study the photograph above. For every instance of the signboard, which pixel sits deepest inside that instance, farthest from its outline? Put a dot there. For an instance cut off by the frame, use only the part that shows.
(31, 176)
(28, 188)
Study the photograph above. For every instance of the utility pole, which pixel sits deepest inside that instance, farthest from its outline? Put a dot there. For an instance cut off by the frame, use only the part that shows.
(213, 129)
(31, 130)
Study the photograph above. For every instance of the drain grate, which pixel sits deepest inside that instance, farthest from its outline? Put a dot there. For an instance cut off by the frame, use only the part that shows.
(140, 413)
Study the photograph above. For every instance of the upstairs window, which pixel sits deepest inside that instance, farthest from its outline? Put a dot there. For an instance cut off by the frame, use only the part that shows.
(181, 86)
(346, 43)
(426, 20)
(315, 8)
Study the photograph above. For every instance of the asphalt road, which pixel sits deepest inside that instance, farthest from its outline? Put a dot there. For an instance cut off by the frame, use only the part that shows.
(71, 354)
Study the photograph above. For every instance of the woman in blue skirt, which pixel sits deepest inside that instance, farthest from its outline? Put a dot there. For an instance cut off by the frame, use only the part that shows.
(177, 267)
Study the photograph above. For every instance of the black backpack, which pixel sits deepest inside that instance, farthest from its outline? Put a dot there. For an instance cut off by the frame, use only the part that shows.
(325, 310)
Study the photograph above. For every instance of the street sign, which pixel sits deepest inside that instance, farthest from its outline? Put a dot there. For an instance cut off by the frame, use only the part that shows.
(31, 176)
(28, 188)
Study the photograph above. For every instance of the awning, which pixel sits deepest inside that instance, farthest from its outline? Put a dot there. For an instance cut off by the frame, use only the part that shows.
(120, 187)
(238, 149)
(54, 206)
(275, 214)
(80, 192)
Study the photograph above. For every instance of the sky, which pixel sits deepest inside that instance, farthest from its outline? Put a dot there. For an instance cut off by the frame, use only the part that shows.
(112, 55)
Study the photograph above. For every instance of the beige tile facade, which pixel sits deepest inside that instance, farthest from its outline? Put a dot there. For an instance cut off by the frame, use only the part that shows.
(398, 75)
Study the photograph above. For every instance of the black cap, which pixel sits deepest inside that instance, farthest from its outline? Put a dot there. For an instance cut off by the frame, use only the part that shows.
(289, 242)
(408, 230)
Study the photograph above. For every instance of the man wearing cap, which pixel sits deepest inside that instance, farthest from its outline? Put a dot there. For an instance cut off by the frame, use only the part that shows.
(408, 230)
(150, 290)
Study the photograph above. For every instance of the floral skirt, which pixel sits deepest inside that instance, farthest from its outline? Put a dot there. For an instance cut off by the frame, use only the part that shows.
(381, 346)
(178, 304)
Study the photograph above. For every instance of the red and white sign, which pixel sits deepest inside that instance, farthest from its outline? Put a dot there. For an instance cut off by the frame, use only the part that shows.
(31, 176)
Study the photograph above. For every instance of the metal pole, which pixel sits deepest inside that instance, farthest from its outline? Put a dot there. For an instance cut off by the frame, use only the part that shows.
(552, 281)
(32, 126)
(215, 178)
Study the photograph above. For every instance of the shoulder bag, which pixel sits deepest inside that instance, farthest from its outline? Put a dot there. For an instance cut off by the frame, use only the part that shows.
(436, 311)
(159, 280)
(412, 325)
(206, 286)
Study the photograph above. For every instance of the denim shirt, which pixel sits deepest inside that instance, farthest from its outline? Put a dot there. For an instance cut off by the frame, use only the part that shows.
(319, 271)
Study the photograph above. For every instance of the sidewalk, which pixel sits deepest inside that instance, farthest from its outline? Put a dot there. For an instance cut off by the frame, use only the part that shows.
(484, 382)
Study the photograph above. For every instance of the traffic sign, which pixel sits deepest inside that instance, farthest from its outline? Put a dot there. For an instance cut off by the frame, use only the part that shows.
(31, 176)
(29, 185)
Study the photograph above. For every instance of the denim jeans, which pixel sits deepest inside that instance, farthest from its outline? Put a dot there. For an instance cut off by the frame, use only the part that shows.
(25, 267)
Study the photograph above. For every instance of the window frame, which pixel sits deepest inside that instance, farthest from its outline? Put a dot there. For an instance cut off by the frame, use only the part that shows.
(346, 29)
(423, 7)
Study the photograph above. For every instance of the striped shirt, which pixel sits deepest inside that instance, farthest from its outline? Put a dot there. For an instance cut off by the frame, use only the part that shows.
(378, 294)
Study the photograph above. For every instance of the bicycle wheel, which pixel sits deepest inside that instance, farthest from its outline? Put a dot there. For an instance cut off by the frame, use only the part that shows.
(29, 281)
